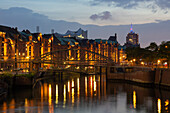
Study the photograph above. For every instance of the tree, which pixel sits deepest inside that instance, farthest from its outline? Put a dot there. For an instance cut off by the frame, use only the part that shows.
(164, 51)
(153, 47)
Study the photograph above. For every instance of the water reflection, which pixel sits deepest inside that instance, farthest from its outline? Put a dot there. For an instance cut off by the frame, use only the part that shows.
(56, 94)
(134, 99)
(159, 105)
(86, 94)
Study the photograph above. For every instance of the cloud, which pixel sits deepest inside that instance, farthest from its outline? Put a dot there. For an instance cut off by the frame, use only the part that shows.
(27, 19)
(162, 4)
(101, 16)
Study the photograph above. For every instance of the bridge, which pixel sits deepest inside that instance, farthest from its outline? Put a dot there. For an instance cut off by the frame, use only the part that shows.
(74, 60)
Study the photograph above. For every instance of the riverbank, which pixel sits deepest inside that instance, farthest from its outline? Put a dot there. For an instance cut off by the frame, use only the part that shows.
(159, 77)
(16, 80)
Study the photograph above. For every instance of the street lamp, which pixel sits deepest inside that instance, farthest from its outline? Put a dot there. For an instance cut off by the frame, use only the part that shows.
(158, 62)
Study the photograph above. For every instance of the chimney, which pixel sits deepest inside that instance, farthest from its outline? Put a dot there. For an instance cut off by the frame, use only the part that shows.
(52, 31)
(38, 29)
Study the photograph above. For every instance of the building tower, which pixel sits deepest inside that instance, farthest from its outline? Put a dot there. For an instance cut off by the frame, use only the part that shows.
(132, 39)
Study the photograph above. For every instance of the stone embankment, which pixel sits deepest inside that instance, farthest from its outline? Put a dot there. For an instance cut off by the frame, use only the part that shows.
(140, 75)
(14, 81)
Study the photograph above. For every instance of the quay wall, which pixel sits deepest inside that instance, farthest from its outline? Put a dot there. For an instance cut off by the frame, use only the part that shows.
(162, 77)
(157, 76)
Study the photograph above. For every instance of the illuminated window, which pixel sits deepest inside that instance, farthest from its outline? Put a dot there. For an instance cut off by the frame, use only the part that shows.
(131, 40)
(39, 38)
(80, 36)
(49, 40)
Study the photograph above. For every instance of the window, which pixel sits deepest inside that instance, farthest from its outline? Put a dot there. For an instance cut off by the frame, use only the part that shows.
(131, 40)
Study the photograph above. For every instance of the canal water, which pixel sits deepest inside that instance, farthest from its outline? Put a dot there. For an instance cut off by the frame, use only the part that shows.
(85, 94)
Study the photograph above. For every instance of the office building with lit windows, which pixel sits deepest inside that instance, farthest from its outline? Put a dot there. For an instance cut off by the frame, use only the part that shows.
(132, 39)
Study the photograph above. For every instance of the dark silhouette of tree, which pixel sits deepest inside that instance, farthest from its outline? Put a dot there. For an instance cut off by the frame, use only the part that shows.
(164, 51)
(150, 54)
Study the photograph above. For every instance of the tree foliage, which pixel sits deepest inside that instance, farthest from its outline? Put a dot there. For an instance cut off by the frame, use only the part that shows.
(151, 53)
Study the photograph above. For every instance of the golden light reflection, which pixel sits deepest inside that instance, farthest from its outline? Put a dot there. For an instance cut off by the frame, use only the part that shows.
(91, 85)
(94, 83)
(68, 86)
(49, 93)
(72, 83)
(86, 86)
(56, 101)
(26, 105)
(45, 90)
(78, 86)
(42, 92)
(12, 104)
(134, 99)
(159, 105)
(64, 93)
(4, 107)
(26, 102)
(72, 95)
(166, 104)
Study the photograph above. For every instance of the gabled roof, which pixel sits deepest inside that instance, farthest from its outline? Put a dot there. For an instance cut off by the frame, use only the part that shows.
(98, 40)
(8, 29)
(10, 35)
(83, 42)
(47, 36)
(24, 36)
(91, 41)
(121, 47)
(64, 41)
(35, 36)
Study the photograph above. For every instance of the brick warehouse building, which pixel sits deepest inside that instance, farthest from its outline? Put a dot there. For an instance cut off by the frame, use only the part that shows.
(16, 46)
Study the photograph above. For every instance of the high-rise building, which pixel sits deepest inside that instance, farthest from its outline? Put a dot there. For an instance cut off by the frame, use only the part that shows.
(132, 39)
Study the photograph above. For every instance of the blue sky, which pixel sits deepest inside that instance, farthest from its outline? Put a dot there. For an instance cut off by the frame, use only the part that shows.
(102, 18)
(98, 12)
